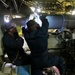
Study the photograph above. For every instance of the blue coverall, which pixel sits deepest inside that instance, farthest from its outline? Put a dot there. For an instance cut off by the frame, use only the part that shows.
(13, 47)
(40, 57)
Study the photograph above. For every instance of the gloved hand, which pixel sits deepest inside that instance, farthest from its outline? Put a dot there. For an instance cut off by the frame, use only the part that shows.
(43, 17)
(44, 20)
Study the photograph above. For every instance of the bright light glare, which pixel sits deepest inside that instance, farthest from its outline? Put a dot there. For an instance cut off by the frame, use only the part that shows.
(73, 12)
(17, 16)
(33, 9)
(37, 19)
(35, 16)
(31, 16)
(5, 55)
(38, 10)
(7, 18)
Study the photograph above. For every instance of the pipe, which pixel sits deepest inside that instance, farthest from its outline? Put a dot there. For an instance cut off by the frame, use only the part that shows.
(21, 5)
(15, 5)
(4, 4)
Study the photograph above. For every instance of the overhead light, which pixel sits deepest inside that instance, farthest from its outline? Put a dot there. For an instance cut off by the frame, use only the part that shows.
(33, 9)
(38, 10)
(17, 16)
(7, 18)
(73, 12)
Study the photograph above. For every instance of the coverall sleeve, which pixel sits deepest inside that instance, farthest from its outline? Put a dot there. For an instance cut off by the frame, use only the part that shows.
(45, 24)
(11, 43)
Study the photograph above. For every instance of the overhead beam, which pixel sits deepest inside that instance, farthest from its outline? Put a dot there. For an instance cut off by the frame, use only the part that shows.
(4, 4)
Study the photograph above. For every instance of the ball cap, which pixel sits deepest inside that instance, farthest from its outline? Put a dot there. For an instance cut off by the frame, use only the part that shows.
(31, 23)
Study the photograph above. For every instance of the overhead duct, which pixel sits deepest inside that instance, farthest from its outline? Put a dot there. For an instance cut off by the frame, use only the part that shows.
(4, 4)
(15, 5)
(11, 6)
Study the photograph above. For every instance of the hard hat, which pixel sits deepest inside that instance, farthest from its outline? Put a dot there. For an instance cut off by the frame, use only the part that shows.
(8, 26)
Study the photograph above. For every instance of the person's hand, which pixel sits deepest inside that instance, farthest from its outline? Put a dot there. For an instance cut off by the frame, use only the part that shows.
(37, 19)
(44, 20)
(43, 17)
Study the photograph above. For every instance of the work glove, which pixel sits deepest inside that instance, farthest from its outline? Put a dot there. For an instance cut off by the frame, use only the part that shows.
(43, 17)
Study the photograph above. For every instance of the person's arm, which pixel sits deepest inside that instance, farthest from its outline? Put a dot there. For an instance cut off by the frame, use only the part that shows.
(19, 40)
(10, 43)
(45, 24)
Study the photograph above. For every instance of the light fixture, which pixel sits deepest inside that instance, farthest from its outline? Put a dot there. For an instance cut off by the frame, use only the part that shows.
(17, 16)
(73, 12)
(33, 9)
(7, 18)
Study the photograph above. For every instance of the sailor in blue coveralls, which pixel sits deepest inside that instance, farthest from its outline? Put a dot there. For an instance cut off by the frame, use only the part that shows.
(36, 38)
